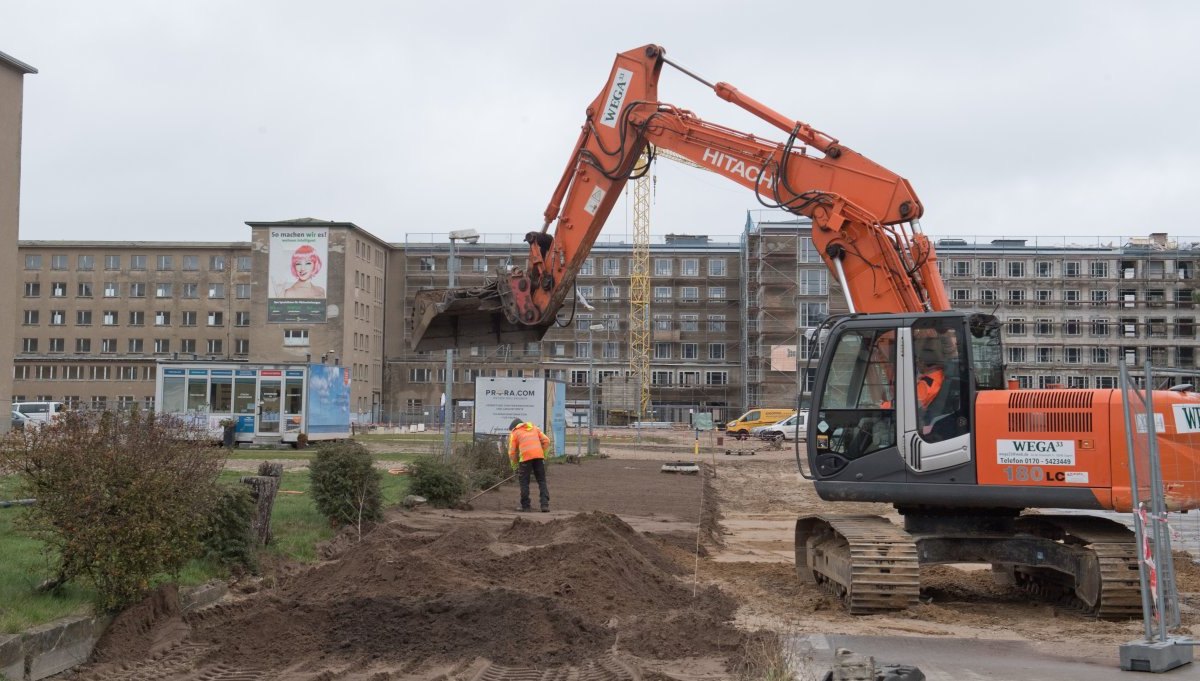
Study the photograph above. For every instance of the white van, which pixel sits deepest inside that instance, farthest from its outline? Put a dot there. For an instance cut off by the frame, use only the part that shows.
(39, 412)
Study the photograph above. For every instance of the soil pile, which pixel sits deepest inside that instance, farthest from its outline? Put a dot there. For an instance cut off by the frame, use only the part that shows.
(530, 594)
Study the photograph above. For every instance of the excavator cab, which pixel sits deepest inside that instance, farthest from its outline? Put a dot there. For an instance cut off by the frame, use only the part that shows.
(894, 401)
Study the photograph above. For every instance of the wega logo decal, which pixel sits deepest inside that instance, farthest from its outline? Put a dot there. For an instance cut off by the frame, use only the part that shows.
(1036, 452)
(616, 98)
(1187, 418)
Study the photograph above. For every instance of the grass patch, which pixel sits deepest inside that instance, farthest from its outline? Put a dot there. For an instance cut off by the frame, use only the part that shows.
(297, 526)
(309, 453)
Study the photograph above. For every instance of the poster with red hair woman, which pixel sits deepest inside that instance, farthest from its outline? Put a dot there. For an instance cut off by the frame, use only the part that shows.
(298, 275)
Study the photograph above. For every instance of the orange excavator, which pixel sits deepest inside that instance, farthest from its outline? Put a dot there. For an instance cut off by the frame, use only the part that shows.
(909, 405)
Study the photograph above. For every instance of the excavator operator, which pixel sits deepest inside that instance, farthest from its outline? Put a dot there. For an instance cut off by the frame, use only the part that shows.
(931, 376)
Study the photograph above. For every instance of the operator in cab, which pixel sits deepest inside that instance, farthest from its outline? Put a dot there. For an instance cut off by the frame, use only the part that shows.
(931, 376)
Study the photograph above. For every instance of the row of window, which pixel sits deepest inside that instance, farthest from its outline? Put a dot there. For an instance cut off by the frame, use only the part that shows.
(1185, 357)
(662, 322)
(112, 263)
(609, 267)
(162, 346)
(135, 318)
(1044, 269)
(97, 402)
(1044, 381)
(137, 289)
(684, 378)
(83, 372)
(1183, 298)
(1155, 327)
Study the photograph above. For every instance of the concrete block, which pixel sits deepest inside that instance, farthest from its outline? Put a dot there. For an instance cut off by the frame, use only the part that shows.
(202, 596)
(1156, 656)
(62, 644)
(12, 657)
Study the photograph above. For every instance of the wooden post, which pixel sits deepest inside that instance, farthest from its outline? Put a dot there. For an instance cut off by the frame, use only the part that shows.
(263, 488)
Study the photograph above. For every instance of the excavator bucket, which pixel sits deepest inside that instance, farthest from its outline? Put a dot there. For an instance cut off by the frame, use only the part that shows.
(462, 317)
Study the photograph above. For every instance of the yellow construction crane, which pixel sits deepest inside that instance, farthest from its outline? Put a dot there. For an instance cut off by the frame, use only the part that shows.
(639, 279)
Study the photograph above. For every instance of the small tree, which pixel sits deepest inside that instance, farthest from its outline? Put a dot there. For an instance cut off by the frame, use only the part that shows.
(121, 496)
(227, 537)
(440, 483)
(346, 484)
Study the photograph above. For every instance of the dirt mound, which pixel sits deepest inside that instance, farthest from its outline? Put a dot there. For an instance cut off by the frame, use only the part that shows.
(1187, 573)
(559, 593)
(145, 629)
(679, 634)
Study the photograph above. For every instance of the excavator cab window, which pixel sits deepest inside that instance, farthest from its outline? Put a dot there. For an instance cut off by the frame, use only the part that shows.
(857, 409)
(941, 379)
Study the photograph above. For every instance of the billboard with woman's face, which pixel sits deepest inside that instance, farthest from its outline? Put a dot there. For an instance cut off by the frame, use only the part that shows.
(297, 269)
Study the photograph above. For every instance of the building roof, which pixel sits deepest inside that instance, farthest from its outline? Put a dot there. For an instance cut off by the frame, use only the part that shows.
(316, 222)
(45, 243)
(14, 63)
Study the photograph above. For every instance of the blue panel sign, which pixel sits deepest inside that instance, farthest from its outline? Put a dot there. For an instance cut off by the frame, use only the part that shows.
(222, 372)
(297, 374)
(246, 372)
(197, 372)
(245, 424)
(173, 372)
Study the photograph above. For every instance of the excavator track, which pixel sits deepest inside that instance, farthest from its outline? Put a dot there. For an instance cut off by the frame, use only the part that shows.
(1108, 586)
(867, 561)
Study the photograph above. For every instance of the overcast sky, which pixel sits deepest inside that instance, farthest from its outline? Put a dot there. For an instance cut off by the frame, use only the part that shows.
(184, 119)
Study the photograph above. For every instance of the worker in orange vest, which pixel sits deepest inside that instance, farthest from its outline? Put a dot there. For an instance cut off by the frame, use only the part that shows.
(930, 377)
(527, 446)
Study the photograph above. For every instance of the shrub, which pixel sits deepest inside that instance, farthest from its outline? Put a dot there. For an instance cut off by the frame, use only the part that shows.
(440, 483)
(346, 485)
(227, 537)
(121, 496)
(484, 462)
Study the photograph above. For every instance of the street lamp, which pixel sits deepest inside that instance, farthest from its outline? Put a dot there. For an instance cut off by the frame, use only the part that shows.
(592, 382)
(470, 236)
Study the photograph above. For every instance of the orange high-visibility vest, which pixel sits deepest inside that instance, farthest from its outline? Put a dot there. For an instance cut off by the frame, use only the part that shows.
(528, 442)
(929, 384)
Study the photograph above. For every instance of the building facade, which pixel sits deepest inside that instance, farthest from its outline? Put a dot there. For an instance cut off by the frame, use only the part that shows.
(731, 319)
(12, 85)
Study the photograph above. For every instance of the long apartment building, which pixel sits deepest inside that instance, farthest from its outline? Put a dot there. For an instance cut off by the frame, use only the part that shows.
(1071, 310)
(730, 317)
(94, 317)
(696, 324)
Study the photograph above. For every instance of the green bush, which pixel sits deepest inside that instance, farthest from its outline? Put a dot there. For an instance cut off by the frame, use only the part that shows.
(227, 537)
(484, 462)
(440, 483)
(346, 484)
(121, 496)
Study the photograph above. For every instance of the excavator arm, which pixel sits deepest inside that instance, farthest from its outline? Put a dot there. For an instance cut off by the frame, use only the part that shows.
(864, 216)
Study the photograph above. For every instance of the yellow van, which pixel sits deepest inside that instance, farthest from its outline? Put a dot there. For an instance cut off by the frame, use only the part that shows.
(741, 426)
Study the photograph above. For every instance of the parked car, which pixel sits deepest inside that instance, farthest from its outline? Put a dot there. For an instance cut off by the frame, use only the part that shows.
(39, 412)
(19, 420)
(740, 427)
(793, 427)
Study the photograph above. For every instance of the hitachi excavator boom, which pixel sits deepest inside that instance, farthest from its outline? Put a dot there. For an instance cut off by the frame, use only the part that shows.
(864, 215)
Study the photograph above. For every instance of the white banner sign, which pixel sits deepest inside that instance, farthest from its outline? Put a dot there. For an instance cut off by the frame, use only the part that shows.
(1036, 452)
(1187, 418)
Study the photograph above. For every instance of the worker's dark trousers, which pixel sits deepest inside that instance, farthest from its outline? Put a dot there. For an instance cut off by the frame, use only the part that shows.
(538, 466)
